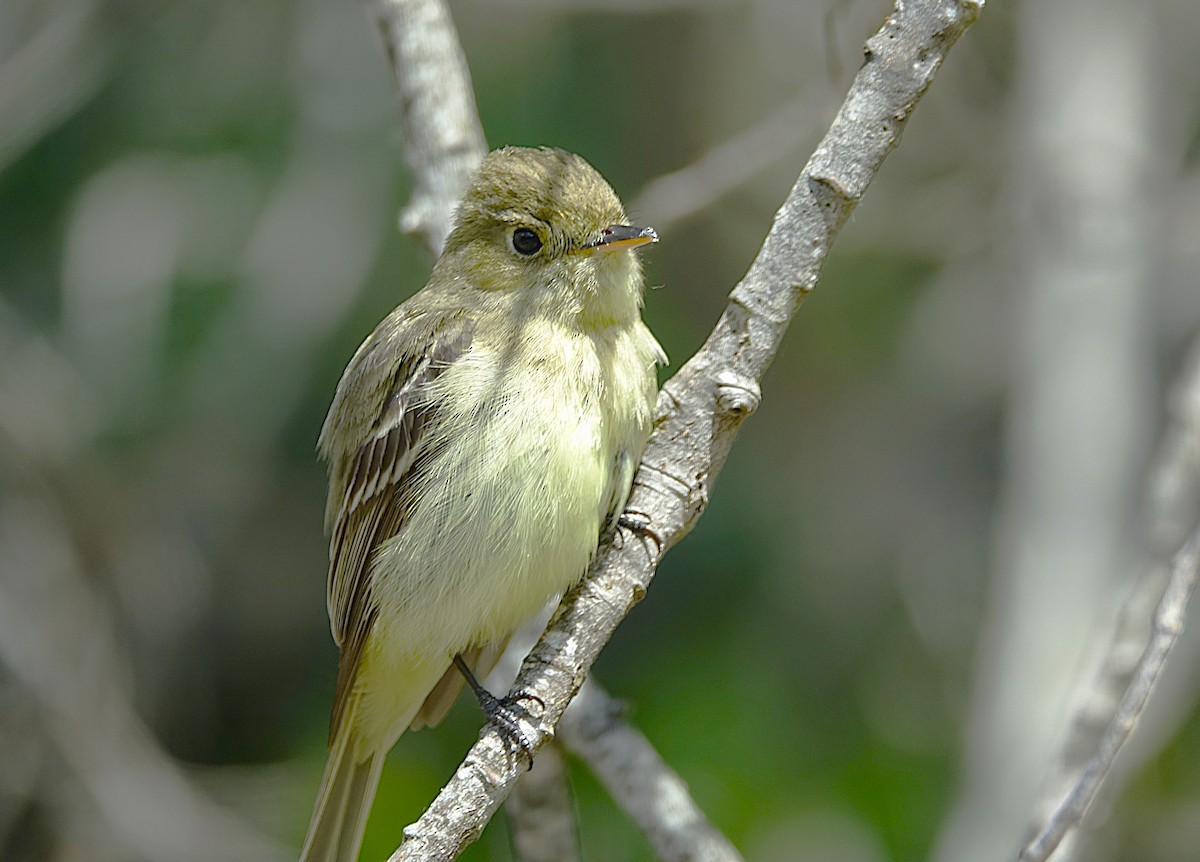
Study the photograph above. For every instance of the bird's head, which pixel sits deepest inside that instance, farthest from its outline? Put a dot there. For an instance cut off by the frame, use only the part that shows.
(544, 222)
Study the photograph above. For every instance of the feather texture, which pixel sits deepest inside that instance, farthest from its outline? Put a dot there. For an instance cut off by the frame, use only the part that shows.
(376, 496)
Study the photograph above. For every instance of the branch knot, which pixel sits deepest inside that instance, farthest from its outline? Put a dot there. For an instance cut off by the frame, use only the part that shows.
(737, 394)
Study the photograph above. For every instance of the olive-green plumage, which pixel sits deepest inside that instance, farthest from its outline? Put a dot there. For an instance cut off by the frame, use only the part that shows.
(480, 440)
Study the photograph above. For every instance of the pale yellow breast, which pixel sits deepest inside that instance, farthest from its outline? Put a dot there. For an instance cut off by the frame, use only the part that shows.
(511, 503)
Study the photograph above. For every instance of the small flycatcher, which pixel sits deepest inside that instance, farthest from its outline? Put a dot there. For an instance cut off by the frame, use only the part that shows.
(481, 439)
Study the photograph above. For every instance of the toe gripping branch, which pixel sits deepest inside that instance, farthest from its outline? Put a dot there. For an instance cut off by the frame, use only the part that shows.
(504, 712)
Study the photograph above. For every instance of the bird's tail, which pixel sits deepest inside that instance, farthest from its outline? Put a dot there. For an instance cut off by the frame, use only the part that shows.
(343, 802)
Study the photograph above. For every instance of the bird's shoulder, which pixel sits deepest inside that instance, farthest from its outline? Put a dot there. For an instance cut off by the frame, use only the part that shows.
(398, 348)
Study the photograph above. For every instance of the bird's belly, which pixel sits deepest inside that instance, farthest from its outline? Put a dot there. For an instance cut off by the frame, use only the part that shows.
(508, 515)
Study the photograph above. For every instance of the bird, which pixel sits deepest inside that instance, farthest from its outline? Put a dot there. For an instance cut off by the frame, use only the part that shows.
(480, 441)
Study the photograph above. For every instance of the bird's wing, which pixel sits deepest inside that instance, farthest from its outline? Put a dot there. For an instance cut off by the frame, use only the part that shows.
(370, 489)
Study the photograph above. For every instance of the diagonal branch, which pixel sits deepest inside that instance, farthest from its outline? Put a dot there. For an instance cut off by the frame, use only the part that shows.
(702, 407)
(1119, 695)
(686, 191)
(595, 729)
(1168, 624)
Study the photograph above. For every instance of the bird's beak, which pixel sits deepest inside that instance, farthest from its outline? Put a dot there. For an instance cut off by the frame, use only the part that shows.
(620, 236)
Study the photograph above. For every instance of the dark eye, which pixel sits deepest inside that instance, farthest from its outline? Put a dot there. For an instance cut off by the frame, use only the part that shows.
(525, 241)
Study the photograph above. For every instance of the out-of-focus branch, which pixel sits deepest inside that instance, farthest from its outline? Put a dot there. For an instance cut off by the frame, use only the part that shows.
(594, 729)
(701, 408)
(540, 815)
(675, 196)
(1078, 411)
(1119, 694)
(49, 77)
(443, 139)
(1168, 623)
(57, 639)
(1173, 499)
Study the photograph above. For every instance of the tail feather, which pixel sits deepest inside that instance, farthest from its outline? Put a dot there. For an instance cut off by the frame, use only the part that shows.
(343, 802)
(363, 733)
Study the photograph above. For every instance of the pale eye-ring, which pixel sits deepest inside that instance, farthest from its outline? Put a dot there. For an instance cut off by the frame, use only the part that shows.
(525, 242)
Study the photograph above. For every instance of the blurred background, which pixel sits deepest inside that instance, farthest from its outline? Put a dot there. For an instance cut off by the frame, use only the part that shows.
(974, 440)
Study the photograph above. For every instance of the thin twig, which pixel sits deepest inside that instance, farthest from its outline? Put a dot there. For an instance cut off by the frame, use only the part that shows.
(701, 408)
(1168, 623)
(1173, 502)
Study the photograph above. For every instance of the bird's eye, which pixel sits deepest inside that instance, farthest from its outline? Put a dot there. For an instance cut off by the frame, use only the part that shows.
(526, 242)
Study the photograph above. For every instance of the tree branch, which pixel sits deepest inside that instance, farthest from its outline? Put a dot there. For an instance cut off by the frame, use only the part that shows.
(1080, 368)
(701, 408)
(1168, 623)
(443, 140)
(594, 729)
(540, 815)
(1133, 661)
(685, 191)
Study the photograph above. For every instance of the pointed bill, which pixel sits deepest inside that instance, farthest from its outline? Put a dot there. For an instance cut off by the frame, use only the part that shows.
(621, 236)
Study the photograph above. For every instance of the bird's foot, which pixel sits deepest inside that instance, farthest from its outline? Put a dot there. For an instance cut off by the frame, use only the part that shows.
(504, 712)
(640, 524)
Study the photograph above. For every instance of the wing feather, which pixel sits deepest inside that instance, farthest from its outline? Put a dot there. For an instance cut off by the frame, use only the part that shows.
(372, 487)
